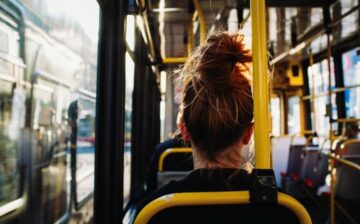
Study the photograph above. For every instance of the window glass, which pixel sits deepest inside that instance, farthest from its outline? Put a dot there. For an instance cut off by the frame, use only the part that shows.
(130, 68)
(351, 67)
(320, 73)
(322, 122)
(12, 105)
(85, 143)
(353, 18)
(12, 114)
(294, 115)
(4, 42)
(48, 79)
(9, 39)
(275, 116)
(316, 16)
(352, 102)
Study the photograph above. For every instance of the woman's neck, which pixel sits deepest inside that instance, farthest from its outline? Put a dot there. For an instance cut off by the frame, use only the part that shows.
(229, 158)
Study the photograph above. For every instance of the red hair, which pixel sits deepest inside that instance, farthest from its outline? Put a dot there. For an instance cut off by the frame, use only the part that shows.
(217, 99)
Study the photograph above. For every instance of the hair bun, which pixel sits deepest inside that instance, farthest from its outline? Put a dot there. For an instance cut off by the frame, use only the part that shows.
(217, 98)
(218, 57)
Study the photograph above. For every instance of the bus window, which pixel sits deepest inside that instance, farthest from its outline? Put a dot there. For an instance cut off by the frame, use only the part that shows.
(293, 115)
(320, 75)
(275, 116)
(12, 114)
(351, 69)
(10, 106)
(129, 88)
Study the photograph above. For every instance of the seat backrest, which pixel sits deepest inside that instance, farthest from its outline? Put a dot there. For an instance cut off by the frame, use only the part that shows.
(280, 153)
(176, 159)
(337, 145)
(295, 159)
(322, 170)
(309, 165)
(347, 183)
(174, 164)
(350, 147)
(221, 207)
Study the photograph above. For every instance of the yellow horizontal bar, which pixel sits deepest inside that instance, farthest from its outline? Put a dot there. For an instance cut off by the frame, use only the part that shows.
(348, 120)
(349, 142)
(174, 60)
(215, 198)
(171, 151)
(307, 132)
(344, 161)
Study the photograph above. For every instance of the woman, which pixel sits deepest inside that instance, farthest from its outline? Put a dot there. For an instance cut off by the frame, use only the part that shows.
(217, 108)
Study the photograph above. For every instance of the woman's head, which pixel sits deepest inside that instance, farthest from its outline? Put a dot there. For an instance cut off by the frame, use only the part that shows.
(217, 104)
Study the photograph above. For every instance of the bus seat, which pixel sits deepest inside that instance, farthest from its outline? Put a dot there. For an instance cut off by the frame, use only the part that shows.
(280, 153)
(350, 147)
(221, 207)
(322, 170)
(309, 167)
(174, 164)
(293, 165)
(292, 180)
(337, 145)
(347, 183)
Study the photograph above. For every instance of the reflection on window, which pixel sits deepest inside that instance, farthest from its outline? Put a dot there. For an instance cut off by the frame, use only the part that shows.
(85, 142)
(12, 115)
(130, 68)
(275, 116)
(294, 115)
(351, 68)
(353, 18)
(322, 122)
(130, 31)
(319, 74)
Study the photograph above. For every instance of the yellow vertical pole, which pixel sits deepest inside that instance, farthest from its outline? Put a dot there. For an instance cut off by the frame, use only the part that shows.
(202, 21)
(331, 136)
(261, 105)
(300, 93)
(312, 91)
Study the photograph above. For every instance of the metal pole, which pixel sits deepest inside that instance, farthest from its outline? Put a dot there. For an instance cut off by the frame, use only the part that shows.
(202, 21)
(261, 105)
(109, 153)
(331, 137)
(312, 90)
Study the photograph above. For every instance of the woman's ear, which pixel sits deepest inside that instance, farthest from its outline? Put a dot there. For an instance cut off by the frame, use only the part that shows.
(248, 132)
(183, 130)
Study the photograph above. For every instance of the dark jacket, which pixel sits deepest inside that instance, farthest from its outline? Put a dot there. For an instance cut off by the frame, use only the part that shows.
(205, 180)
(151, 180)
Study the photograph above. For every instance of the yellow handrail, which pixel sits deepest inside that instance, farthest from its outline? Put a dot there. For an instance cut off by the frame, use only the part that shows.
(202, 21)
(179, 60)
(261, 104)
(344, 161)
(215, 198)
(347, 120)
(348, 142)
(171, 151)
(312, 90)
